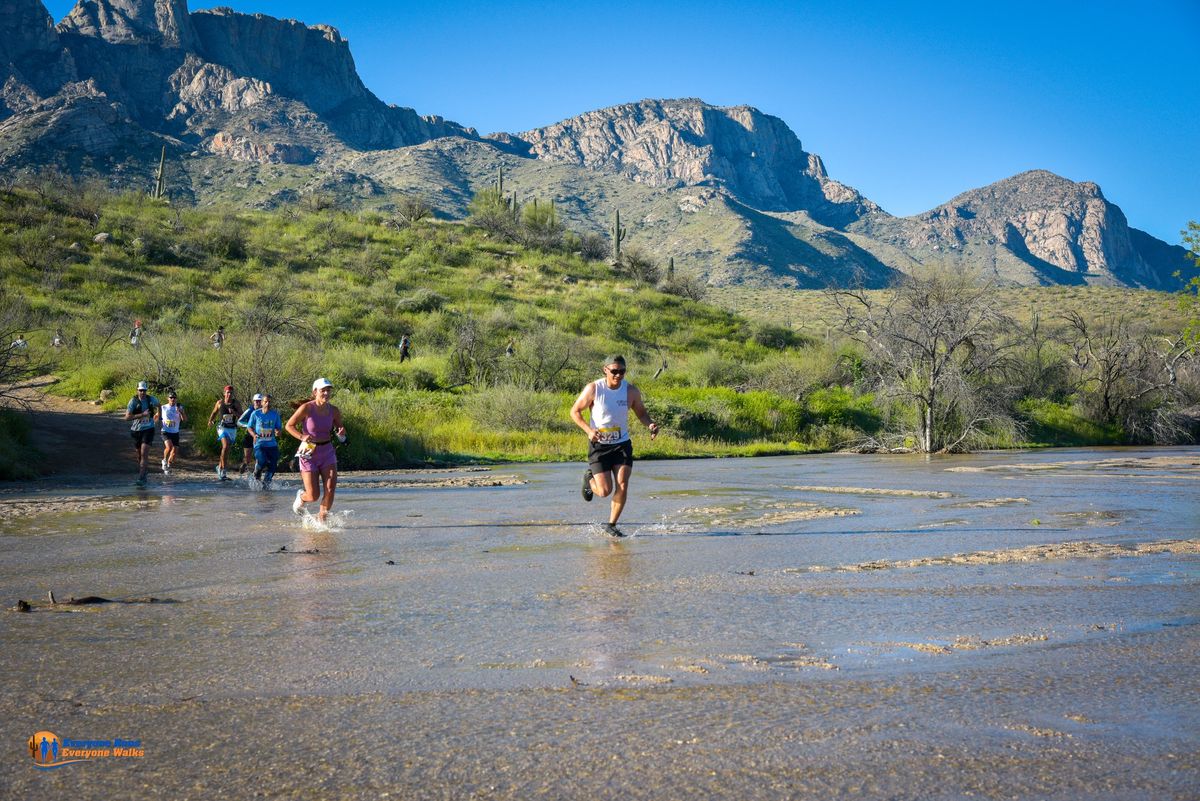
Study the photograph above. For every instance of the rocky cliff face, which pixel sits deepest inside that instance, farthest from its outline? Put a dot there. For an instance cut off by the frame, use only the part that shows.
(687, 143)
(33, 63)
(204, 78)
(160, 23)
(1062, 231)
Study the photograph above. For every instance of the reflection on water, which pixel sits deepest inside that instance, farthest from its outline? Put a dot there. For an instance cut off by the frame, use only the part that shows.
(478, 605)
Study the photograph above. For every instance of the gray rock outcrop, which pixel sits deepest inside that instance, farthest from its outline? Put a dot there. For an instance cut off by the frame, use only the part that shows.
(1058, 230)
(688, 142)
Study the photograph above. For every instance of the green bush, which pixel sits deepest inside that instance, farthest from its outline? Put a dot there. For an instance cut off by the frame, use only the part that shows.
(1051, 423)
(838, 406)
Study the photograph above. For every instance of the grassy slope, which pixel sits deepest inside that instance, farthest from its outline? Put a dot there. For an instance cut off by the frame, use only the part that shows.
(356, 285)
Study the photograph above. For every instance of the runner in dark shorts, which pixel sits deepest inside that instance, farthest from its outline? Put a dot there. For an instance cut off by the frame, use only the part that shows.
(610, 451)
(142, 411)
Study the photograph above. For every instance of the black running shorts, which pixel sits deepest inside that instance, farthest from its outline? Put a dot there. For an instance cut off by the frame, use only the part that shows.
(143, 437)
(603, 458)
(171, 437)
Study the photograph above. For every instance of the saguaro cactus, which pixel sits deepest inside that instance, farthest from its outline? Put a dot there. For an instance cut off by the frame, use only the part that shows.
(671, 269)
(499, 184)
(618, 234)
(160, 180)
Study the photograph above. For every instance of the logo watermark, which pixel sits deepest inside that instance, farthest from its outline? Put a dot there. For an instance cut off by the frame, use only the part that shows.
(50, 751)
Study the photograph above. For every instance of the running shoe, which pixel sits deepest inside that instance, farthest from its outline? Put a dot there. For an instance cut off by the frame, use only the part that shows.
(241, 468)
(257, 475)
(164, 464)
(611, 530)
(587, 485)
(298, 504)
(218, 469)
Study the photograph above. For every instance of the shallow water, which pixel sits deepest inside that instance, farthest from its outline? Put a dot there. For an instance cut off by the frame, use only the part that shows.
(732, 646)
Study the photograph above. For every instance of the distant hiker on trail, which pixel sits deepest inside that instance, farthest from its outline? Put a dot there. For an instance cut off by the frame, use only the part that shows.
(135, 335)
(218, 338)
(510, 349)
(172, 415)
(58, 340)
(19, 343)
(228, 409)
(265, 425)
(405, 345)
(143, 411)
(321, 422)
(610, 451)
(248, 438)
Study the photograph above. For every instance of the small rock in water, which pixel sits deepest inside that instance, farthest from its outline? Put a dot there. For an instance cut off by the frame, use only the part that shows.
(22, 606)
(390, 562)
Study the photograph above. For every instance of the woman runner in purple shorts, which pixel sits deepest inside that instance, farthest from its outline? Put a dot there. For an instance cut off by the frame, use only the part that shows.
(320, 421)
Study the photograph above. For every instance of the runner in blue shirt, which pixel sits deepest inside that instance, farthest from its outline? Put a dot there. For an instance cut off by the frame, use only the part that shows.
(265, 425)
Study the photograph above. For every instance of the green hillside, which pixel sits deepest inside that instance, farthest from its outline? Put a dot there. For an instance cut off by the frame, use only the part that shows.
(303, 290)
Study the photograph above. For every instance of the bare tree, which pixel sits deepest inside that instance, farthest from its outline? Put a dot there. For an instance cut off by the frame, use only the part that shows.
(546, 358)
(268, 320)
(475, 352)
(933, 343)
(1128, 376)
(410, 210)
(636, 264)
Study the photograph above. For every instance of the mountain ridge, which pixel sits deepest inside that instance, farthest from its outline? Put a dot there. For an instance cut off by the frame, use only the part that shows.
(734, 195)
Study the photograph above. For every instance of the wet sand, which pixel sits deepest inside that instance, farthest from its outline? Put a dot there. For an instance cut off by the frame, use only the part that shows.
(472, 634)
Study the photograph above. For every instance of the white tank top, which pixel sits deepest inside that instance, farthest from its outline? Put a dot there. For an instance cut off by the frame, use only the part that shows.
(170, 419)
(610, 413)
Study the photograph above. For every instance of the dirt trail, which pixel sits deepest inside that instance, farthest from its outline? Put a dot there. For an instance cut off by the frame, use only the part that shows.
(78, 438)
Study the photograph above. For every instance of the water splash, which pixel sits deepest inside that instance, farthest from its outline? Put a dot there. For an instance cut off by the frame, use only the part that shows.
(334, 521)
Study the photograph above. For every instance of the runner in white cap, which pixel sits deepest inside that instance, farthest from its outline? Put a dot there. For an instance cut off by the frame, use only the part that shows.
(247, 437)
(143, 411)
(321, 422)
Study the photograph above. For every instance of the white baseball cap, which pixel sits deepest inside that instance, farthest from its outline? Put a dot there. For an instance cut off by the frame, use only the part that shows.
(143, 385)
(257, 396)
(320, 383)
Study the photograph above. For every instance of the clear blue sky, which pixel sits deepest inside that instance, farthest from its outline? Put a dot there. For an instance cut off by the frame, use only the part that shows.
(908, 102)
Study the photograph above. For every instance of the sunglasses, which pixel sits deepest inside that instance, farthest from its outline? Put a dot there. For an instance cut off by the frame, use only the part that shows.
(617, 372)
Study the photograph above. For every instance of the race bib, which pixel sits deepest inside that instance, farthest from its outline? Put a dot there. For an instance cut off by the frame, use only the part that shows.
(608, 435)
(227, 421)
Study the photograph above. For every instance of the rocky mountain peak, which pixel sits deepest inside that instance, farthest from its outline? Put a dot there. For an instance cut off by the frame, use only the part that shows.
(1066, 230)
(164, 23)
(688, 142)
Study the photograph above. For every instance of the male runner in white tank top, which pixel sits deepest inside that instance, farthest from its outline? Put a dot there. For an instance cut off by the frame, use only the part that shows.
(610, 451)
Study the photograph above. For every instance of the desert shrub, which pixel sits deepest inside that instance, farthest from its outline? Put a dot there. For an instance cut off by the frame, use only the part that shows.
(511, 407)
(225, 238)
(423, 300)
(593, 247)
(839, 406)
(638, 265)
(490, 211)
(690, 287)
(711, 369)
(776, 337)
(541, 227)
